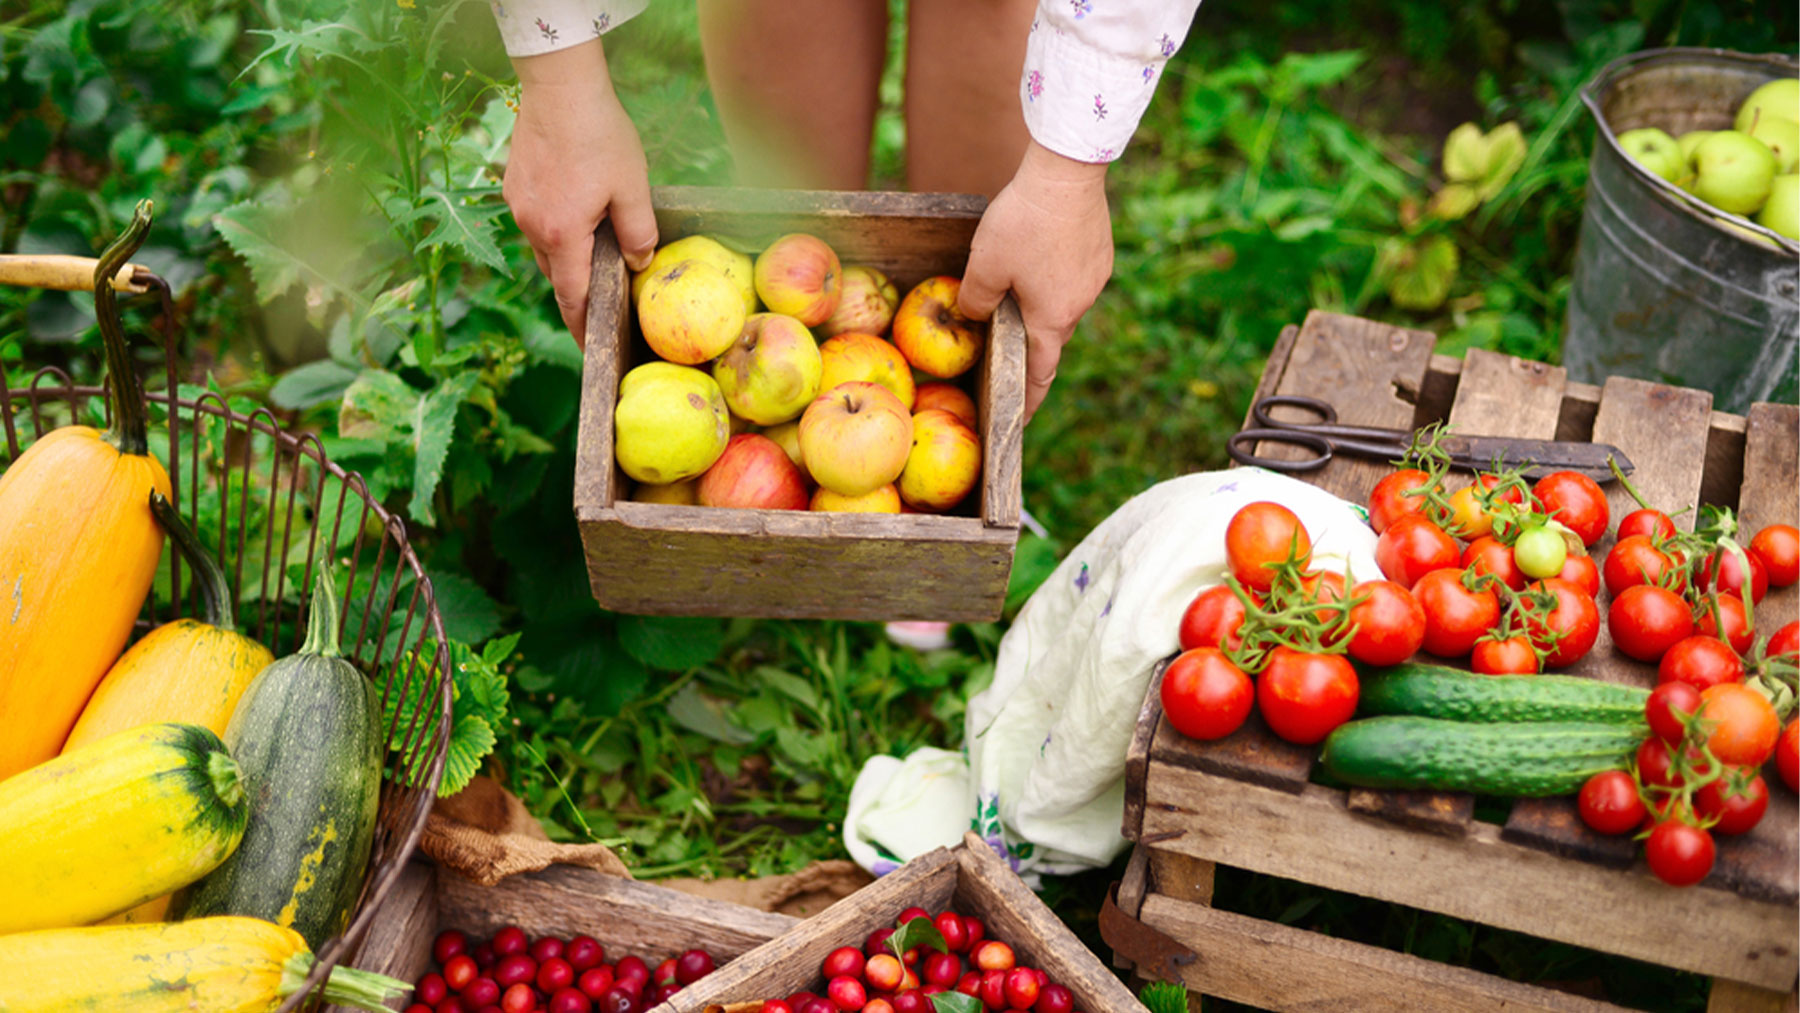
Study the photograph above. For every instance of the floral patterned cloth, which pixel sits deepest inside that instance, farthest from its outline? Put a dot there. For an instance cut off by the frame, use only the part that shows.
(1090, 65)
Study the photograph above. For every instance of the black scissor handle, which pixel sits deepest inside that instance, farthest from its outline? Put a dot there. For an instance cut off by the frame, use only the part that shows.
(1298, 437)
(1260, 411)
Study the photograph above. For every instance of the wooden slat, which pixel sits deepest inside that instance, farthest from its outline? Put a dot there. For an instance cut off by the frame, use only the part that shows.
(1734, 997)
(1771, 495)
(1134, 885)
(399, 940)
(1137, 754)
(1183, 877)
(1443, 375)
(1252, 753)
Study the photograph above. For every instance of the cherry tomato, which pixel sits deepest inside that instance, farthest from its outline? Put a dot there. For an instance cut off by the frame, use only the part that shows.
(1411, 547)
(1778, 545)
(1576, 501)
(1787, 754)
(1654, 764)
(1205, 695)
(1455, 617)
(1668, 705)
(1388, 501)
(1700, 661)
(1215, 618)
(1731, 580)
(1645, 621)
(1609, 803)
(1737, 628)
(1512, 656)
(1304, 696)
(1632, 561)
(1540, 552)
(1488, 554)
(1260, 535)
(1390, 625)
(1574, 623)
(1468, 517)
(1745, 727)
(1786, 640)
(1583, 572)
(1678, 853)
(1645, 521)
(1736, 814)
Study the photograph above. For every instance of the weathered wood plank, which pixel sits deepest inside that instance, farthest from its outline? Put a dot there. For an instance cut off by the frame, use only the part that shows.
(1735, 997)
(1183, 877)
(1770, 494)
(1133, 887)
(398, 943)
(1252, 753)
(1137, 754)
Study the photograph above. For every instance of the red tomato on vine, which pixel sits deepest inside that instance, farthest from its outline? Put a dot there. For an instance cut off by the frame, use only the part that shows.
(1778, 546)
(1390, 625)
(1204, 695)
(1576, 501)
(1455, 617)
(1388, 501)
(1411, 547)
(1260, 536)
(1304, 696)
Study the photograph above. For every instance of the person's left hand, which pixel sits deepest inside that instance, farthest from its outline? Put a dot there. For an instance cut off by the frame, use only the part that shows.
(1048, 238)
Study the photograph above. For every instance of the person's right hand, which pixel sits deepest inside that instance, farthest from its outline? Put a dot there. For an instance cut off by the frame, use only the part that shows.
(576, 159)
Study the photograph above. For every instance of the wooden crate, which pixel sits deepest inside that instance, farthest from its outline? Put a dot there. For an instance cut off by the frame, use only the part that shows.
(1247, 801)
(970, 879)
(686, 560)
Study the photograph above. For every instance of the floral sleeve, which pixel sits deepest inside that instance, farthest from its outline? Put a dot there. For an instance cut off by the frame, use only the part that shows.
(1091, 67)
(530, 27)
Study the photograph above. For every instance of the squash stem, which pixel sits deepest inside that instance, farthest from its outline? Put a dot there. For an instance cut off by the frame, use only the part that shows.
(209, 576)
(346, 986)
(129, 416)
(226, 777)
(322, 625)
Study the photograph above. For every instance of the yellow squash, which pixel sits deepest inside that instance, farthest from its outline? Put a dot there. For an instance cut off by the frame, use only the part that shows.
(78, 549)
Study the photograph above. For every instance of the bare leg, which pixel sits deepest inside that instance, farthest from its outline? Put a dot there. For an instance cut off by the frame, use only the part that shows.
(964, 130)
(797, 85)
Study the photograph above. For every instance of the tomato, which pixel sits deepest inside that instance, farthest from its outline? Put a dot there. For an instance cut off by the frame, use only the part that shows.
(1731, 580)
(1304, 696)
(1573, 624)
(1455, 617)
(1261, 535)
(1576, 501)
(1736, 813)
(1745, 727)
(1787, 754)
(1700, 661)
(1215, 618)
(1468, 517)
(1488, 554)
(1412, 547)
(1654, 765)
(1388, 501)
(1778, 546)
(1645, 621)
(1204, 695)
(1540, 552)
(1609, 803)
(1583, 572)
(1645, 521)
(1632, 561)
(1785, 641)
(1512, 656)
(1669, 704)
(1390, 624)
(1679, 854)
(1737, 628)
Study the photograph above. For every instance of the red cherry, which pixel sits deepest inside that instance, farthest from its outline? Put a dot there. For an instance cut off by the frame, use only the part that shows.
(584, 952)
(509, 941)
(845, 961)
(431, 989)
(596, 981)
(459, 971)
(482, 992)
(515, 969)
(696, 964)
(950, 926)
(1055, 999)
(569, 1000)
(545, 948)
(555, 974)
(909, 914)
(449, 943)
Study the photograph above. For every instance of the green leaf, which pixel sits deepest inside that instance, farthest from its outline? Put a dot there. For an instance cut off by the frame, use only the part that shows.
(260, 231)
(378, 405)
(432, 430)
(312, 384)
(789, 685)
(1164, 997)
(1318, 70)
(918, 932)
(955, 1002)
(316, 38)
(1505, 154)
(470, 616)
(471, 740)
(1419, 275)
(671, 643)
(465, 227)
(707, 715)
(806, 750)
(1453, 201)
(1465, 154)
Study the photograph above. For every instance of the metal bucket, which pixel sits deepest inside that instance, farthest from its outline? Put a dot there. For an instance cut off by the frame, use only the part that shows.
(1667, 287)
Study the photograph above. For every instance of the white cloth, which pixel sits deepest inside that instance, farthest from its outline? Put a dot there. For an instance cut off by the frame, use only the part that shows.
(1046, 741)
(1090, 65)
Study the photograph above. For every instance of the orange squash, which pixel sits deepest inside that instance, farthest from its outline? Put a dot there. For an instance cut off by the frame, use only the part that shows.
(78, 548)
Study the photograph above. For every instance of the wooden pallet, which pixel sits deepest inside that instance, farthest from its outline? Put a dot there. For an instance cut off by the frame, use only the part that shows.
(1247, 801)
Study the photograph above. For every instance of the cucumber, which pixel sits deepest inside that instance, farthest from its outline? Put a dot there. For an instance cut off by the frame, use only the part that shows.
(1517, 759)
(1434, 691)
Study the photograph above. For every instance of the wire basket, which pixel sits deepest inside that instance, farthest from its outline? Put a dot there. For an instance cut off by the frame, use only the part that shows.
(284, 511)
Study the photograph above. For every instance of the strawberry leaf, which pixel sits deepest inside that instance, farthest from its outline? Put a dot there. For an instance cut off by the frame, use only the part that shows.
(918, 932)
(955, 1002)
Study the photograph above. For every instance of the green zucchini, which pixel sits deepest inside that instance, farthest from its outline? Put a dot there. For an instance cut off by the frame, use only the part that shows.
(1517, 759)
(1434, 691)
(307, 734)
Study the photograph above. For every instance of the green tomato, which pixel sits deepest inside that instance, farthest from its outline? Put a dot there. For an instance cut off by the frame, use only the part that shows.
(1540, 552)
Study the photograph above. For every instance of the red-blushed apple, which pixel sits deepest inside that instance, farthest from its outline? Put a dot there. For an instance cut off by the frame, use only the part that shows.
(787, 436)
(686, 493)
(885, 500)
(932, 335)
(690, 312)
(866, 303)
(737, 266)
(798, 275)
(753, 473)
(944, 463)
(771, 372)
(866, 357)
(949, 397)
(855, 438)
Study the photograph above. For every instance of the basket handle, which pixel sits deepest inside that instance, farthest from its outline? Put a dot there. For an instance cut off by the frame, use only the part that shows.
(69, 274)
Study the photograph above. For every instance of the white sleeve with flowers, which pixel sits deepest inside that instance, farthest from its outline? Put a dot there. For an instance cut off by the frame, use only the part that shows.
(530, 27)
(1091, 67)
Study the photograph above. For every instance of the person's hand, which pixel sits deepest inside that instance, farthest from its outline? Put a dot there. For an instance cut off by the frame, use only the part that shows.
(1048, 237)
(576, 159)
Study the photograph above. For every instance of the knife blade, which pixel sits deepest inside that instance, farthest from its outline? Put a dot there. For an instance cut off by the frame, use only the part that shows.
(1542, 456)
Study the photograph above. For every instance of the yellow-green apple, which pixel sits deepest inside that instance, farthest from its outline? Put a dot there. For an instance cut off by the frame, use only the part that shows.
(685, 493)
(866, 301)
(1655, 151)
(690, 312)
(885, 500)
(1781, 212)
(1732, 172)
(787, 437)
(932, 335)
(855, 437)
(1782, 137)
(771, 372)
(943, 464)
(866, 357)
(1689, 141)
(1780, 97)
(755, 474)
(949, 397)
(737, 266)
(739, 424)
(798, 275)
(670, 423)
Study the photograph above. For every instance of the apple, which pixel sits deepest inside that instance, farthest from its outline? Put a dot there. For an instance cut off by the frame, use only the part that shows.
(753, 473)
(943, 464)
(885, 500)
(670, 423)
(737, 266)
(1733, 171)
(932, 335)
(772, 371)
(682, 493)
(798, 275)
(1780, 97)
(690, 312)
(1781, 212)
(787, 437)
(1782, 137)
(1655, 151)
(947, 396)
(866, 357)
(855, 438)
(866, 303)
(1688, 142)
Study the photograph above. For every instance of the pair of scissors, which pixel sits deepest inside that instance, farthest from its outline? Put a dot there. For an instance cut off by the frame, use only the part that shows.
(1327, 438)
